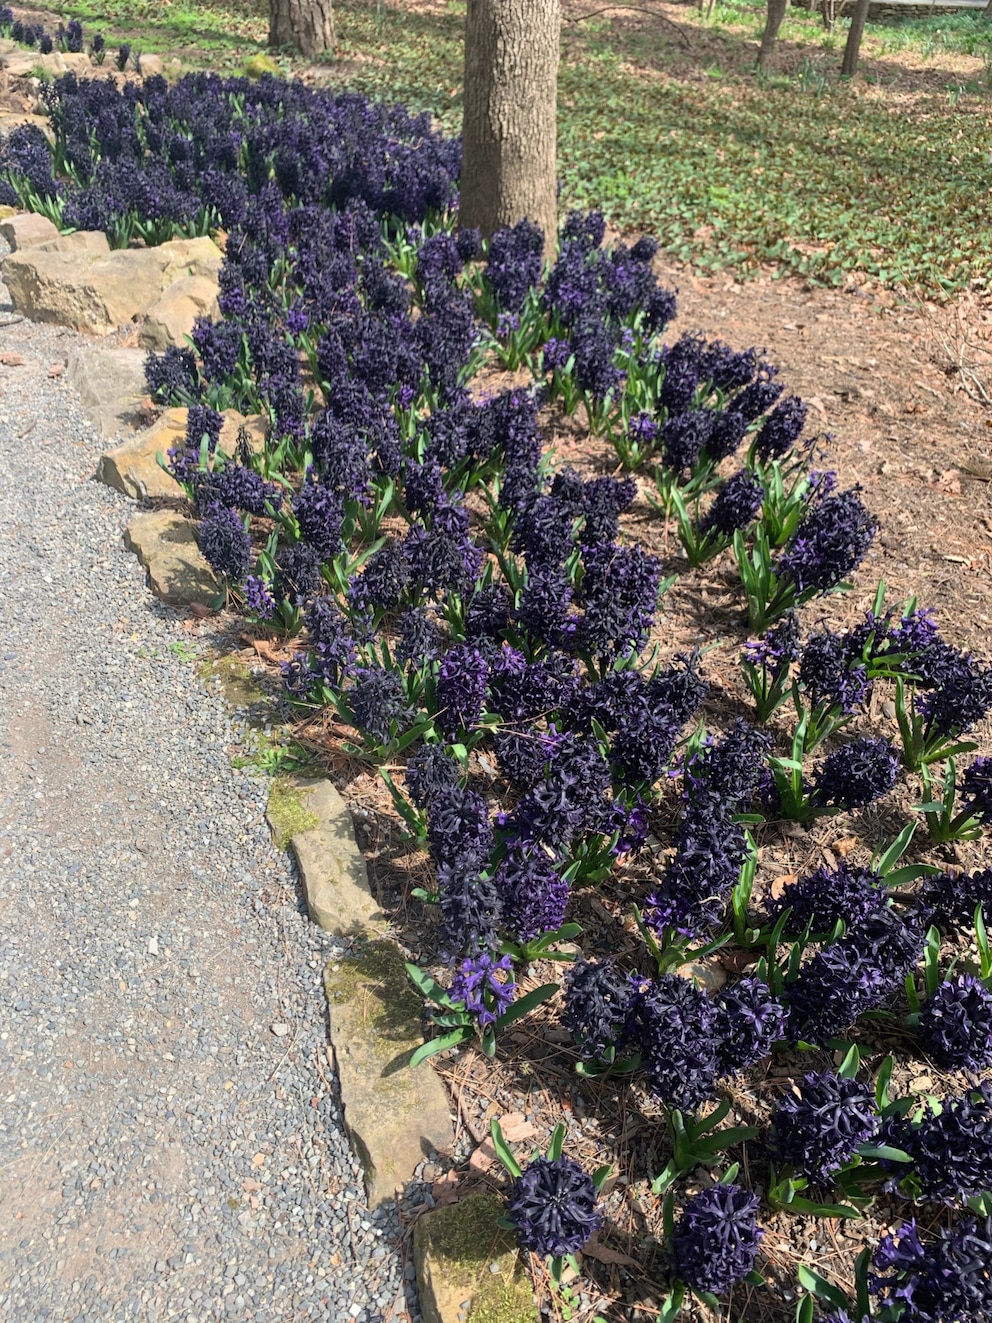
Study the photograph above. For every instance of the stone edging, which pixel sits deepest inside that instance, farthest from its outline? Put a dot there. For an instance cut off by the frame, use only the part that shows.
(468, 1270)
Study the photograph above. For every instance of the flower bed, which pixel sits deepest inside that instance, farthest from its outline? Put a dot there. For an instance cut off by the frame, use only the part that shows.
(479, 621)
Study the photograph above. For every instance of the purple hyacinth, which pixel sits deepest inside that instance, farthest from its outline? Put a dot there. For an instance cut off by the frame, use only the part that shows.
(817, 901)
(377, 702)
(461, 688)
(716, 1239)
(851, 976)
(225, 543)
(383, 581)
(749, 1019)
(597, 997)
(570, 798)
(684, 437)
(831, 541)
(950, 899)
(682, 371)
(781, 429)
(514, 264)
(470, 906)
(976, 790)
(554, 1207)
(947, 1280)
(478, 984)
(334, 647)
(728, 431)
(857, 774)
(830, 675)
(431, 773)
(298, 573)
(736, 505)
(533, 892)
(603, 500)
(258, 597)
(955, 1025)
(951, 1148)
(319, 513)
(818, 1126)
(421, 640)
(674, 1023)
(458, 826)
(620, 596)
(961, 695)
(723, 776)
(777, 649)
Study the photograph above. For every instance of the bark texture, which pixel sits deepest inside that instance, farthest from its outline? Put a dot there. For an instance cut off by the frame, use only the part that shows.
(776, 13)
(307, 25)
(510, 128)
(853, 47)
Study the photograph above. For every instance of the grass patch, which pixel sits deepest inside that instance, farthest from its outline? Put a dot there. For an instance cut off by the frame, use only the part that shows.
(886, 178)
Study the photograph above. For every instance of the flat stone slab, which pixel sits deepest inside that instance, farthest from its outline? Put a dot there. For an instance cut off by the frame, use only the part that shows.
(332, 867)
(468, 1267)
(133, 467)
(111, 386)
(395, 1116)
(79, 241)
(98, 292)
(173, 315)
(165, 544)
(27, 229)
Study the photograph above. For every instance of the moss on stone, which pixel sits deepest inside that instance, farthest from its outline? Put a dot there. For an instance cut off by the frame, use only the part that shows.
(287, 812)
(391, 1009)
(468, 1238)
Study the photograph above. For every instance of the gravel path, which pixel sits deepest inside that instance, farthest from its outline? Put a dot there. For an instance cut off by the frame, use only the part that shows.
(170, 1143)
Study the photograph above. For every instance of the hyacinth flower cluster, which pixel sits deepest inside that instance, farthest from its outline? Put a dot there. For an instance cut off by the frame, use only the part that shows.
(949, 1144)
(552, 1204)
(947, 1278)
(831, 540)
(67, 37)
(720, 780)
(681, 1038)
(714, 1243)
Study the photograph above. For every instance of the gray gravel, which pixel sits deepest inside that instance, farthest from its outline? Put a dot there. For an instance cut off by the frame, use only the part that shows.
(170, 1142)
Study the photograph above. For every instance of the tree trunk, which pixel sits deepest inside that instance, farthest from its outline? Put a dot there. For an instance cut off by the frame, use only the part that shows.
(776, 13)
(853, 48)
(510, 125)
(308, 25)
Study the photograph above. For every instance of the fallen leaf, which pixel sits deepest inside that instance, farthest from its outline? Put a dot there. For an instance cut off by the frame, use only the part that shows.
(516, 1127)
(603, 1254)
(199, 610)
(56, 369)
(266, 649)
(817, 404)
(12, 360)
(845, 845)
(483, 1158)
(779, 884)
